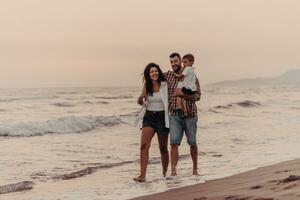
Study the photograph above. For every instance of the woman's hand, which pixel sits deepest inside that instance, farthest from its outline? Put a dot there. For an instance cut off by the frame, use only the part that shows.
(140, 100)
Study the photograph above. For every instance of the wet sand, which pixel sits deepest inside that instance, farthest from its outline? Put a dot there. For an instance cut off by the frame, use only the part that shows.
(275, 182)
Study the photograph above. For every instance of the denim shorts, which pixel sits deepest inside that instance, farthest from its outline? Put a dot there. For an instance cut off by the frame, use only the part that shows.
(187, 91)
(155, 120)
(178, 125)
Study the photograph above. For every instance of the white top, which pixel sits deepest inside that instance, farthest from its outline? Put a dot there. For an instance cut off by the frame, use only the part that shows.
(155, 102)
(163, 91)
(189, 80)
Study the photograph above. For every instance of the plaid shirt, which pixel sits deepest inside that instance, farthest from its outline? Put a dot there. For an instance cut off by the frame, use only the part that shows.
(172, 81)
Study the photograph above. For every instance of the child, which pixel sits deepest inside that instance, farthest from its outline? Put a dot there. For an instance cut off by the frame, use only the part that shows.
(187, 82)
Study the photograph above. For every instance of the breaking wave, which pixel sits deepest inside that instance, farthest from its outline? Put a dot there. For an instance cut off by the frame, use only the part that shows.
(244, 104)
(62, 125)
(114, 97)
(90, 170)
(16, 187)
(63, 104)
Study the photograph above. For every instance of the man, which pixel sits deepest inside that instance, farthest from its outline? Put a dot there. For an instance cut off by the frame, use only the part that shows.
(178, 123)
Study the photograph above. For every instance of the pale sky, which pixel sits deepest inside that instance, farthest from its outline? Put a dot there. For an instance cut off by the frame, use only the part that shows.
(81, 43)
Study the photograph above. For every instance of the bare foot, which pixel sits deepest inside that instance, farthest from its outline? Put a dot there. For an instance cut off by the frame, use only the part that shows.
(164, 174)
(195, 172)
(174, 172)
(140, 179)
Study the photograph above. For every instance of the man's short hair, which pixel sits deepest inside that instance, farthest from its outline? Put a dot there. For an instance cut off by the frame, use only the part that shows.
(173, 55)
(189, 57)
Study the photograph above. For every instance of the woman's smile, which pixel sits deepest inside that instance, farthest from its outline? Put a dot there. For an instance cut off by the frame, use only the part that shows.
(154, 73)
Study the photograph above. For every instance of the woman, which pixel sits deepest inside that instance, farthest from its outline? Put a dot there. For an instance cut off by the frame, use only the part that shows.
(154, 118)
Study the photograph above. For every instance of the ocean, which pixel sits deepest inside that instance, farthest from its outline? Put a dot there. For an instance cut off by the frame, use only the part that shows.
(80, 143)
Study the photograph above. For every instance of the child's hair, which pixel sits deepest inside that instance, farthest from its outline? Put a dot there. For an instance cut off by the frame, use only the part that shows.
(189, 57)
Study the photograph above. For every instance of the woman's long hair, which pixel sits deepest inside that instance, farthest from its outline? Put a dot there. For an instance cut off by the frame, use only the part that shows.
(147, 79)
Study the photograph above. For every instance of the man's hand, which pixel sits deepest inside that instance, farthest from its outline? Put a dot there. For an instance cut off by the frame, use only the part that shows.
(178, 93)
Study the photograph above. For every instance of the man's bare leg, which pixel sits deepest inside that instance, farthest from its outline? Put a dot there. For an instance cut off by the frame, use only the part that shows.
(194, 155)
(147, 134)
(174, 158)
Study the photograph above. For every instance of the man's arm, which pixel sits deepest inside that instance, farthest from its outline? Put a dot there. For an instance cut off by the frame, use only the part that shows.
(179, 75)
(195, 97)
(166, 74)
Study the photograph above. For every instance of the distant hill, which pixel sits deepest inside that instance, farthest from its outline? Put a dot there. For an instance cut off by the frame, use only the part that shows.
(289, 77)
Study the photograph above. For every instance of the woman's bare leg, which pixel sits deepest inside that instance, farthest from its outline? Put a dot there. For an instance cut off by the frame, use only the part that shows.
(163, 147)
(146, 137)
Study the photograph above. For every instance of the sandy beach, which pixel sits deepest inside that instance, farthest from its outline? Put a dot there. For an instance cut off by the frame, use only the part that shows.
(275, 182)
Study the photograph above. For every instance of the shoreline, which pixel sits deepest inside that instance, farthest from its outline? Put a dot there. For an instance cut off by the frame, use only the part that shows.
(274, 182)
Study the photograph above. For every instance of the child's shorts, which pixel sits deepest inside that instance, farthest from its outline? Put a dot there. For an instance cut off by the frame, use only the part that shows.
(187, 91)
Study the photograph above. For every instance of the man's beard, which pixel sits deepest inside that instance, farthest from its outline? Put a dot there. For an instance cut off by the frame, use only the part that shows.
(177, 69)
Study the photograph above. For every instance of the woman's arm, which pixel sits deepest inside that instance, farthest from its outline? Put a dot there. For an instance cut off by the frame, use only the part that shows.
(140, 99)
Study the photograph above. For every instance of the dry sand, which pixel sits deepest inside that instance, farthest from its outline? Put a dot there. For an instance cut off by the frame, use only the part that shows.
(276, 182)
